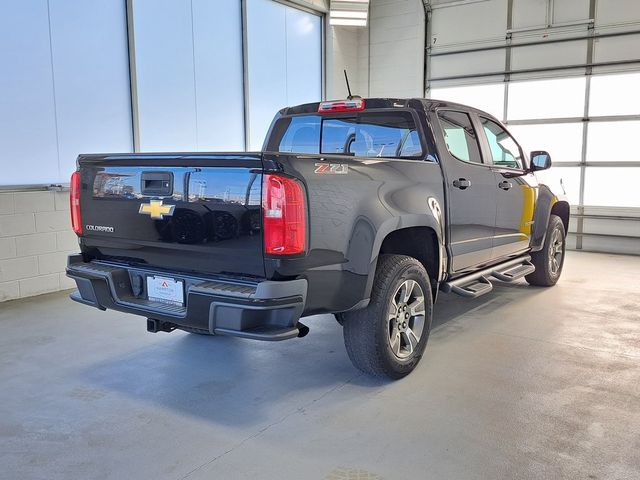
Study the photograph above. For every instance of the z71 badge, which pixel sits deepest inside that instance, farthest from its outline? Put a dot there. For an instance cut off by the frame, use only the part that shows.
(332, 168)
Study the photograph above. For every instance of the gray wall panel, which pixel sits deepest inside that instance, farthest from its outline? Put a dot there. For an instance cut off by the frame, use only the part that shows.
(469, 22)
(567, 53)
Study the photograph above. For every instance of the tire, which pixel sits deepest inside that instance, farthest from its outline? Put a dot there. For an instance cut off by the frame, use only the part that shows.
(550, 259)
(380, 339)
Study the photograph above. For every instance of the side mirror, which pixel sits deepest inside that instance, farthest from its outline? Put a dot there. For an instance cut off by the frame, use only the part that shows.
(540, 160)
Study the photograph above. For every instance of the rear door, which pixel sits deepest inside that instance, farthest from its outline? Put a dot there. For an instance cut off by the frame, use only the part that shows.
(471, 188)
(516, 190)
(192, 212)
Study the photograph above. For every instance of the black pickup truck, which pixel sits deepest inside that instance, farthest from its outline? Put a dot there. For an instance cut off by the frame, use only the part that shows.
(364, 208)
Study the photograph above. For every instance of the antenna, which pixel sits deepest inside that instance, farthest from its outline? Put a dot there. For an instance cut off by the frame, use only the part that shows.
(346, 79)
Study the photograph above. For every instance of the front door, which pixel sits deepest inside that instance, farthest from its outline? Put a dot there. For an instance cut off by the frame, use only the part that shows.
(516, 191)
(471, 189)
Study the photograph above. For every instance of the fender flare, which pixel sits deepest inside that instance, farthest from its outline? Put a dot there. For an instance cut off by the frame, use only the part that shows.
(544, 206)
(432, 221)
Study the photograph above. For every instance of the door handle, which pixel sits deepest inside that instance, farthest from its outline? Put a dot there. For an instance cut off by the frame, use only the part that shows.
(462, 183)
(504, 185)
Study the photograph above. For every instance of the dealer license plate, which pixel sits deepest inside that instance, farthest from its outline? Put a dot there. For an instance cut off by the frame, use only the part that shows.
(163, 289)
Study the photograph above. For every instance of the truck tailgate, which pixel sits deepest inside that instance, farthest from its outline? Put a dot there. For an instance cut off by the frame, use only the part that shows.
(179, 212)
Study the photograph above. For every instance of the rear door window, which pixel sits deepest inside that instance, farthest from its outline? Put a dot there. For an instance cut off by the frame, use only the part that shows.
(460, 136)
(368, 134)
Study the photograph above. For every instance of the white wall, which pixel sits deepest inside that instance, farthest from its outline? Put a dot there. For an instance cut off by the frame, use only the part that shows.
(384, 59)
(350, 51)
(396, 36)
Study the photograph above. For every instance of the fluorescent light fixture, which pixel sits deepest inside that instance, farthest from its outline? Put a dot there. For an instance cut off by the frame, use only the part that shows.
(349, 12)
(346, 14)
(350, 22)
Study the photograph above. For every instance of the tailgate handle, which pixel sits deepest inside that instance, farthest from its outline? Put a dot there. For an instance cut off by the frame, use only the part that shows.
(157, 183)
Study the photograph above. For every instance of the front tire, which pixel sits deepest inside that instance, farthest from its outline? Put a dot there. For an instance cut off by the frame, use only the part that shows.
(550, 259)
(388, 337)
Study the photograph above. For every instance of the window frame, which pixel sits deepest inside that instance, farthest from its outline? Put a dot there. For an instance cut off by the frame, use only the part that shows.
(474, 125)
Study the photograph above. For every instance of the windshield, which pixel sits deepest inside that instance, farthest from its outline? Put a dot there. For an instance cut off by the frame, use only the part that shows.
(367, 134)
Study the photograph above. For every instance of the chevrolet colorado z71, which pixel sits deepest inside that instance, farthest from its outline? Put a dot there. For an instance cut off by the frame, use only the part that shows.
(364, 208)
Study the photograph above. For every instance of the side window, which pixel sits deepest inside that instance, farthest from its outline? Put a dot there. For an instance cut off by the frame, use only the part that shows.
(302, 135)
(460, 136)
(504, 150)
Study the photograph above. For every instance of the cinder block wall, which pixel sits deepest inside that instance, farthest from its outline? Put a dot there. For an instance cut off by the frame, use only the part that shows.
(35, 239)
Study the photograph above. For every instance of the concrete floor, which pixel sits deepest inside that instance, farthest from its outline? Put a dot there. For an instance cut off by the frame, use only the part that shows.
(521, 383)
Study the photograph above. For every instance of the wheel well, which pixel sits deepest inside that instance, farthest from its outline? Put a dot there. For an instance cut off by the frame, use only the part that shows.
(561, 209)
(420, 243)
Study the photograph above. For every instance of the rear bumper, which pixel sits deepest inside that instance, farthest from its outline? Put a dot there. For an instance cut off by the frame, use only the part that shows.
(265, 310)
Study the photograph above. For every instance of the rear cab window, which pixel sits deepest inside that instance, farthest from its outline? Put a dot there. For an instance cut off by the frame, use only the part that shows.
(365, 134)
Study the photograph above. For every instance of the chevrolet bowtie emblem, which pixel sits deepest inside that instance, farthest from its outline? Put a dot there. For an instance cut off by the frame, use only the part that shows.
(156, 209)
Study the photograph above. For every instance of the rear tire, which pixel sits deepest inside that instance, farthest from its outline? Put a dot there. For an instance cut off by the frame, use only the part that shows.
(388, 337)
(550, 259)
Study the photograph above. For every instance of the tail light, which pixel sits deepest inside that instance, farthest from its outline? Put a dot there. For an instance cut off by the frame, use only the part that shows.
(283, 216)
(74, 199)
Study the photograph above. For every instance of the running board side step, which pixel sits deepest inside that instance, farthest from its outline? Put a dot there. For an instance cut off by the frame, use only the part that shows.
(475, 289)
(514, 273)
(477, 283)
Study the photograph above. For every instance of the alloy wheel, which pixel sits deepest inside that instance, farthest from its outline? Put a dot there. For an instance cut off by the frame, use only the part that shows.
(555, 252)
(406, 318)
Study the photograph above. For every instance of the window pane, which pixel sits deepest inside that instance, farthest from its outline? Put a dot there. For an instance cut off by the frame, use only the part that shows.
(180, 86)
(546, 98)
(363, 135)
(568, 177)
(284, 56)
(267, 65)
(504, 150)
(368, 135)
(489, 98)
(304, 57)
(302, 135)
(612, 187)
(217, 86)
(611, 95)
(411, 146)
(460, 136)
(613, 141)
(164, 76)
(563, 141)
